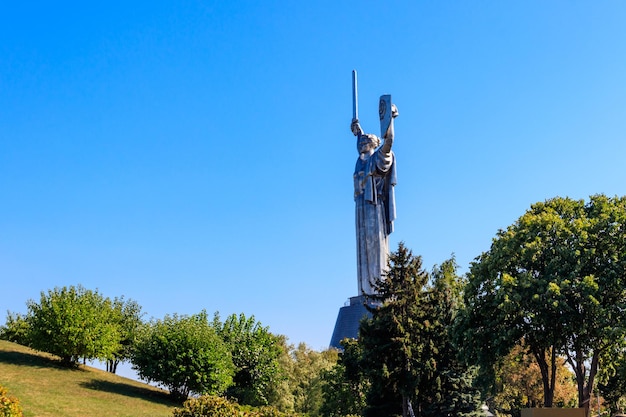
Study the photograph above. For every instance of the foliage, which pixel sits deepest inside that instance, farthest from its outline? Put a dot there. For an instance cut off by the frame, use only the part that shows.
(518, 384)
(73, 323)
(345, 386)
(305, 377)
(391, 340)
(446, 386)
(9, 406)
(555, 279)
(208, 406)
(213, 406)
(185, 354)
(280, 394)
(255, 353)
(15, 329)
(126, 315)
(408, 356)
(613, 388)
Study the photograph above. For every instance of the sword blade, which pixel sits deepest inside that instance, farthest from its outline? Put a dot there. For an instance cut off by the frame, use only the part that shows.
(355, 97)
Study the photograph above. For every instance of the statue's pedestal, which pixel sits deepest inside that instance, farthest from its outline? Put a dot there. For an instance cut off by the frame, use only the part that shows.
(348, 320)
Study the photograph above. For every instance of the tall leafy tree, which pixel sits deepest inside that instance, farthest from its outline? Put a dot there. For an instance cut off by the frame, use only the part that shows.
(556, 280)
(345, 385)
(185, 354)
(73, 323)
(255, 353)
(305, 377)
(613, 385)
(126, 315)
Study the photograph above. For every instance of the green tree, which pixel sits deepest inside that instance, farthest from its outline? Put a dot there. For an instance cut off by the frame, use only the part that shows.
(392, 340)
(305, 377)
(126, 315)
(184, 354)
(255, 353)
(613, 386)
(408, 356)
(446, 384)
(15, 329)
(73, 323)
(555, 279)
(280, 394)
(345, 386)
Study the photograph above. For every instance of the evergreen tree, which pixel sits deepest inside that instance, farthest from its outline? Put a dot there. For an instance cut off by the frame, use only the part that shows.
(447, 385)
(392, 340)
(408, 356)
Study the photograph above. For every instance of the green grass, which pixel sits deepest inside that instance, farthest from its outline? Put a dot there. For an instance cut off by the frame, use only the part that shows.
(47, 389)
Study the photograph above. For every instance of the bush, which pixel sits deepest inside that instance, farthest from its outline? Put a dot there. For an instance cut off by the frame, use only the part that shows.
(73, 323)
(207, 406)
(9, 406)
(255, 352)
(15, 329)
(212, 406)
(184, 354)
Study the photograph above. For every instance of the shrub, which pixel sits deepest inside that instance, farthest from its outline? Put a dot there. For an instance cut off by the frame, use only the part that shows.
(15, 329)
(213, 406)
(73, 323)
(184, 354)
(208, 406)
(9, 406)
(255, 352)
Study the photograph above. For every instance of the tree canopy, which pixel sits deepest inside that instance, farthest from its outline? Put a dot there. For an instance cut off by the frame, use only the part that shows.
(126, 315)
(407, 352)
(73, 323)
(556, 280)
(185, 354)
(255, 352)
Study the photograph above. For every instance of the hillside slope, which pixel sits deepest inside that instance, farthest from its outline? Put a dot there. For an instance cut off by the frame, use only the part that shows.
(46, 389)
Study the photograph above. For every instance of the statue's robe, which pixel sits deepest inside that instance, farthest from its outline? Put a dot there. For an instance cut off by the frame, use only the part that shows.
(374, 180)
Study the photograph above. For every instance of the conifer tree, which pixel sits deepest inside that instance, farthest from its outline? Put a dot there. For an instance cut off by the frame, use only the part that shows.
(392, 344)
(408, 355)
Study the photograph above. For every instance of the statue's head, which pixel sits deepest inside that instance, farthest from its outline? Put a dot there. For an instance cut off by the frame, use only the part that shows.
(367, 143)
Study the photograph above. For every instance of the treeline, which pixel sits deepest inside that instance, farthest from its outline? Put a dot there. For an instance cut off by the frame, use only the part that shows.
(237, 357)
(539, 320)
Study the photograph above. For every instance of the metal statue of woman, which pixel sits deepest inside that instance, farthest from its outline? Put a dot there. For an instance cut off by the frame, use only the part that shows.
(374, 180)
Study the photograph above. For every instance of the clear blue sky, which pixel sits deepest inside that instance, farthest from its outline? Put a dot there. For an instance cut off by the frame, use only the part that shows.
(197, 154)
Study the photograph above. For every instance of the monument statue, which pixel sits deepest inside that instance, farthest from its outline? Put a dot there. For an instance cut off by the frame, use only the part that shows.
(374, 181)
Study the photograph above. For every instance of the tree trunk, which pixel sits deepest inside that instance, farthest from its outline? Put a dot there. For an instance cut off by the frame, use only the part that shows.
(552, 377)
(584, 387)
(546, 379)
(586, 400)
(112, 365)
(405, 406)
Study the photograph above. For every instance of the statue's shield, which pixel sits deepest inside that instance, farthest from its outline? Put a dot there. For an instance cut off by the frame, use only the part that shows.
(384, 112)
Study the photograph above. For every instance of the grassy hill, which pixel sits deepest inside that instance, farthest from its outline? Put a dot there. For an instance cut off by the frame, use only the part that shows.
(46, 389)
